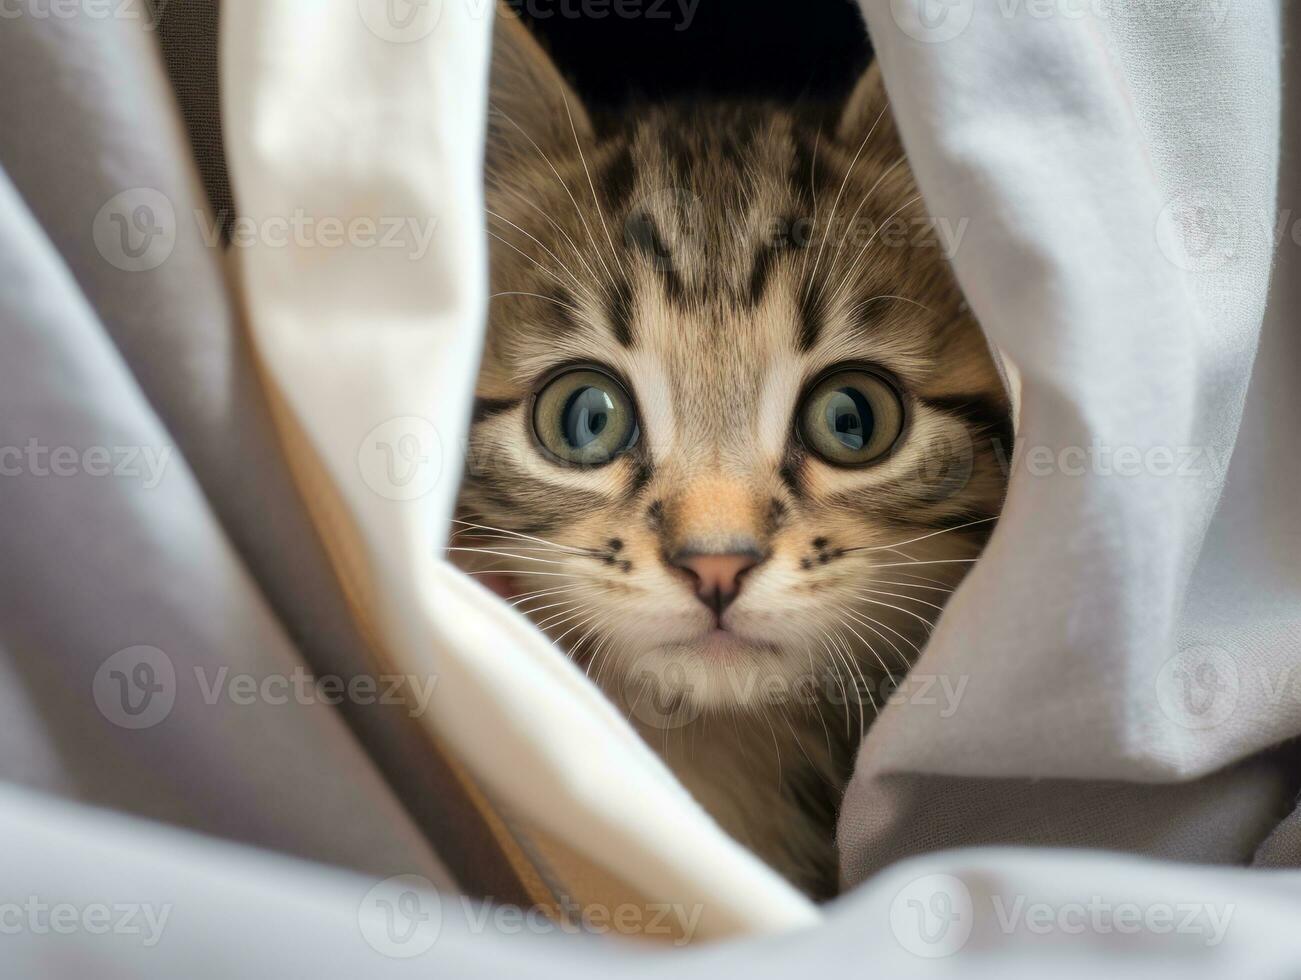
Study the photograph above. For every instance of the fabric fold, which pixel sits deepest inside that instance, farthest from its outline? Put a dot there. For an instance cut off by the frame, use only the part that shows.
(1119, 199)
(355, 117)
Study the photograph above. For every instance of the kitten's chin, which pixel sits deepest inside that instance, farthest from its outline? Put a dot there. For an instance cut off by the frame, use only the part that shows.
(720, 670)
(725, 647)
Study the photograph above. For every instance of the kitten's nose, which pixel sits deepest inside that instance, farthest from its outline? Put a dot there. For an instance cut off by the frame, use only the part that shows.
(718, 577)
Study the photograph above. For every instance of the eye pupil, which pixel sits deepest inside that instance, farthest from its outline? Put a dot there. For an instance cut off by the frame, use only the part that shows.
(849, 416)
(586, 415)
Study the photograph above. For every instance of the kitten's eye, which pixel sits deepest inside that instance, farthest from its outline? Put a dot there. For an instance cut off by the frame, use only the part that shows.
(851, 418)
(584, 418)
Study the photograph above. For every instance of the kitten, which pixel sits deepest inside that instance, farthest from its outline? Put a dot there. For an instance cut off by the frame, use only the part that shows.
(736, 436)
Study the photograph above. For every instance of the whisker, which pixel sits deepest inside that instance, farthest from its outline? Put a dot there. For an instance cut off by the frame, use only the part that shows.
(856, 266)
(937, 561)
(903, 299)
(870, 623)
(604, 646)
(921, 619)
(570, 194)
(909, 585)
(577, 608)
(813, 193)
(851, 669)
(550, 299)
(518, 547)
(922, 578)
(831, 219)
(519, 534)
(867, 688)
(502, 543)
(561, 637)
(799, 743)
(527, 571)
(857, 211)
(838, 677)
(575, 650)
(922, 537)
(508, 554)
(572, 244)
(903, 659)
(550, 605)
(909, 598)
(512, 245)
(544, 248)
(542, 593)
(870, 650)
(600, 212)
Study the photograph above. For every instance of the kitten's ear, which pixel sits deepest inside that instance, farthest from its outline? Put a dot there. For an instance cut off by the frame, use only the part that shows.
(528, 100)
(866, 107)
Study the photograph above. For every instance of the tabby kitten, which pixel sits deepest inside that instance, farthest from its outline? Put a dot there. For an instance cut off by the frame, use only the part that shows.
(736, 435)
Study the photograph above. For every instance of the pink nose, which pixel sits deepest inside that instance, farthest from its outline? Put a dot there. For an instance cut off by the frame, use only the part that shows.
(718, 577)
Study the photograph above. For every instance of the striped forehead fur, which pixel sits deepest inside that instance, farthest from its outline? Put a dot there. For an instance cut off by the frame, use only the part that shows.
(712, 211)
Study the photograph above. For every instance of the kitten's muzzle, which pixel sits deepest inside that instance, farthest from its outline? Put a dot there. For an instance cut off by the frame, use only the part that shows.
(717, 578)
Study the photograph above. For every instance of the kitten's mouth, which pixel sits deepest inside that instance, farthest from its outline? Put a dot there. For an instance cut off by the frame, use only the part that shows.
(723, 645)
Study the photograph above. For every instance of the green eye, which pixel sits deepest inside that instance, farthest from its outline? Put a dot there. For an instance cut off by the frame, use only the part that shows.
(851, 418)
(584, 418)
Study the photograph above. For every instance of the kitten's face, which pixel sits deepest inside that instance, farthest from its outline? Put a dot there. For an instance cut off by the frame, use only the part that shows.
(714, 431)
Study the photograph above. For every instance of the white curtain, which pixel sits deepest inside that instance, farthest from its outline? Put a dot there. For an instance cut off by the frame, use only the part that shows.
(1129, 637)
(1137, 615)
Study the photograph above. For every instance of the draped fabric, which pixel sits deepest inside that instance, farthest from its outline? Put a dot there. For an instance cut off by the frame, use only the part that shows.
(201, 489)
(1128, 641)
